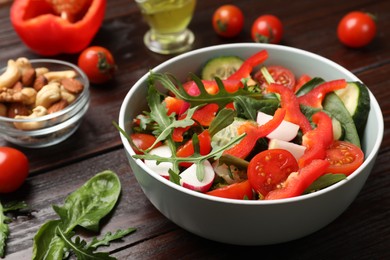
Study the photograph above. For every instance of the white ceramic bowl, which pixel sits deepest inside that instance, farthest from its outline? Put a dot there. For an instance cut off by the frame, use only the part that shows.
(251, 222)
(58, 126)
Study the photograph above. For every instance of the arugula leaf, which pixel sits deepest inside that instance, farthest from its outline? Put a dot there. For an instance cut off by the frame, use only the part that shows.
(221, 98)
(4, 231)
(84, 207)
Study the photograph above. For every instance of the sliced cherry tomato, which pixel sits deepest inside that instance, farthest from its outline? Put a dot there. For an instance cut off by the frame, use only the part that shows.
(228, 21)
(356, 29)
(97, 63)
(280, 74)
(267, 29)
(143, 142)
(270, 168)
(14, 169)
(239, 191)
(315, 96)
(344, 157)
(297, 182)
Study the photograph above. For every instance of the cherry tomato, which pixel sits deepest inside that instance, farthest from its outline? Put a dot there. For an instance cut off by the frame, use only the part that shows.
(281, 75)
(97, 63)
(228, 21)
(14, 169)
(344, 157)
(356, 29)
(143, 141)
(270, 168)
(267, 29)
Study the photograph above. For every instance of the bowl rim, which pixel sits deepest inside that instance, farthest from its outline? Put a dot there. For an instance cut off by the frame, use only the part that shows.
(83, 95)
(368, 158)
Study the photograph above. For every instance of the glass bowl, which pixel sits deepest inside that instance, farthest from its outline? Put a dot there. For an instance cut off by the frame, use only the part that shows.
(54, 127)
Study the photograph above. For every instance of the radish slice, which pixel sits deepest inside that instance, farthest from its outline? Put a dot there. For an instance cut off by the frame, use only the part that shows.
(163, 167)
(295, 149)
(285, 131)
(189, 180)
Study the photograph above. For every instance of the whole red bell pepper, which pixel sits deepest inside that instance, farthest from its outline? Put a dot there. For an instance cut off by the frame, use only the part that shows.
(46, 32)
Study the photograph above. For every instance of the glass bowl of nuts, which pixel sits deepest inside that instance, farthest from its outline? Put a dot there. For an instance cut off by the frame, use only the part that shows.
(42, 101)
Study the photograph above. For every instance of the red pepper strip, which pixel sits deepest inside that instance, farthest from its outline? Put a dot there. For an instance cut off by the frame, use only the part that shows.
(316, 95)
(211, 86)
(301, 81)
(298, 182)
(290, 102)
(187, 149)
(318, 139)
(253, 133)
(176, 105)
(239, 191)
(247, 67)
(203, 116)
(48, 34)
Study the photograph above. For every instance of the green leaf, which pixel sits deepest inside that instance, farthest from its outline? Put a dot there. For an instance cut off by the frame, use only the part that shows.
(47, 244)
(248, 107)
(221, 98)
(224, 118)
(4, 231)
(90, 203)
(15, 206)
(108, 237)
(325, 181)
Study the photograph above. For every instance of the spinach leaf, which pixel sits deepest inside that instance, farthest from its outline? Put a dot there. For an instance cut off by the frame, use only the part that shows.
(4, 230)
(248, 107)
(84, 207)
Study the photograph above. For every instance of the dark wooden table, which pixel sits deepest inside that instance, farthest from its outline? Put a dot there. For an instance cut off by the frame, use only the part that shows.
(362, 232)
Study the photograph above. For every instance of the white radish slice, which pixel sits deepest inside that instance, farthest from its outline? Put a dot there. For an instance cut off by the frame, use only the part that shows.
(163, 167)
(188, 178)
(285, 131)
(295, 149)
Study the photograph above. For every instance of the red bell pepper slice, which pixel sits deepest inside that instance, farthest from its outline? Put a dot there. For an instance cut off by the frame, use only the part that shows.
(211, 86)
(247, 67)
(318, 139)
(47, 33)
(290, 103)
(176, 105)
(303, 79)
(239, 191)
(253, 133)
(298, 182)
(187, 149)
(315, 96)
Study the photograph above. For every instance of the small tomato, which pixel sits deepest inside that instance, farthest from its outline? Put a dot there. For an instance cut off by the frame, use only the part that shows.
(267, 29)
(98, 64)
(228, 21)
(14, 169)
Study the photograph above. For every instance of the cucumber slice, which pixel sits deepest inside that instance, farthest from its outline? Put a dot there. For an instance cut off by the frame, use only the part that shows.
(221, 67)
(356, 99)
(226, 134)
(314, 82)
(335, 106)
(338, 130)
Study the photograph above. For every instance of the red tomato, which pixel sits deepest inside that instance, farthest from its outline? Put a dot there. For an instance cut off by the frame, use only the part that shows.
(228, 21)
(14, 168)
(281, 75)
(270, 168)
(267, 29)
(344, 157)
(239, 191)
(143, 141)
(98, 64)
(356, 29)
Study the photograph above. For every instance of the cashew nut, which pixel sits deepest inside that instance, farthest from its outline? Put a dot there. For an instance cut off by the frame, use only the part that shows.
(36, 112)
(48, 95)
(10, 76)
(58, 75)
(65, 94)
(41, 71)
(30, 95)
(23, 63)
